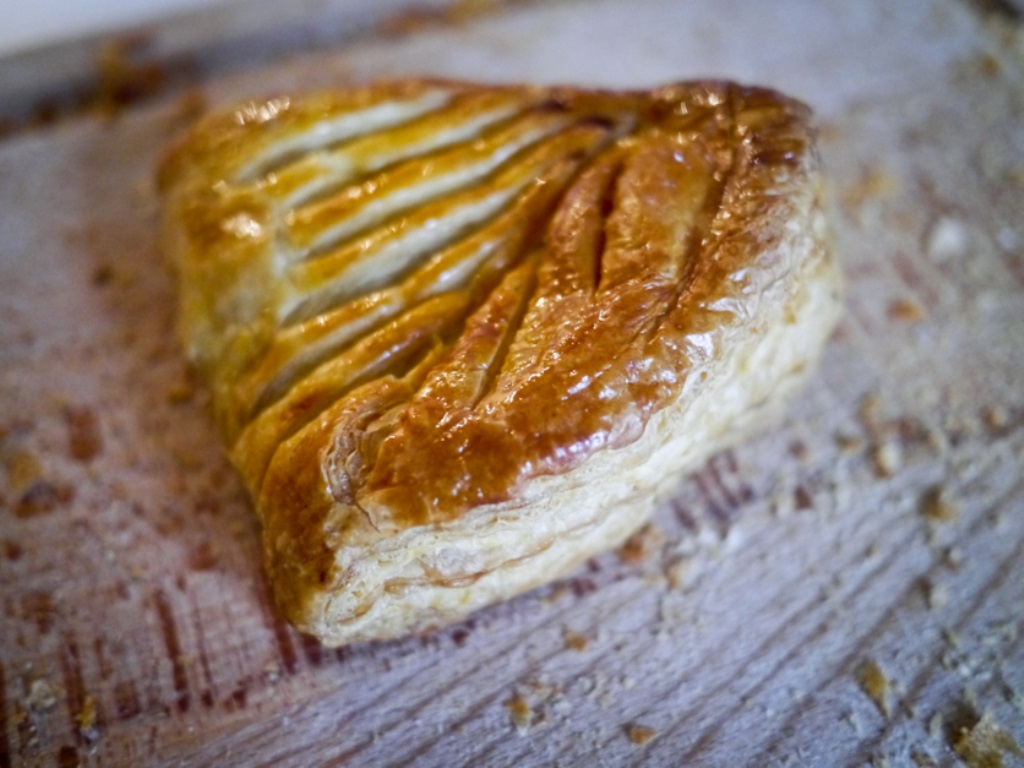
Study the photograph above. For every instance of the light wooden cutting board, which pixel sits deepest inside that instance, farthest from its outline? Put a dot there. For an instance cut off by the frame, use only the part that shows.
(846, 590)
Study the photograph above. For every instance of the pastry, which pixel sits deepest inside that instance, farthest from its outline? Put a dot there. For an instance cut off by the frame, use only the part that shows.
(461, 338)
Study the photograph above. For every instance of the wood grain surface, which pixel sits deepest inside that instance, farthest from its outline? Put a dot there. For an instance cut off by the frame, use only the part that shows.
(846, 590)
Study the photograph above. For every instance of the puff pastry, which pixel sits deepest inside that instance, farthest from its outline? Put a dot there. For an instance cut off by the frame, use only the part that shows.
(460, 337)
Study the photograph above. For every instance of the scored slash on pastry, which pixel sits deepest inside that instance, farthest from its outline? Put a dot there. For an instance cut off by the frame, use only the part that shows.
(461, 338)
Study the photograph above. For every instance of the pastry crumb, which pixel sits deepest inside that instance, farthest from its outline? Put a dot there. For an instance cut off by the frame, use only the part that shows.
(851, 719)
(575, 641)
(937, 507)
(520, 712)
(640, 545)
(542, 690)
(271, 671)
(86, 717)
(678, 573)
(875, 684)
(22, 468)
(887, 458)
(87, 720)
(802, 499)
(640, 734)
(906, 310)
(985, 744)
(42, 695)
(937, 595)
(996, 417)
(946, 240)
(868, 412)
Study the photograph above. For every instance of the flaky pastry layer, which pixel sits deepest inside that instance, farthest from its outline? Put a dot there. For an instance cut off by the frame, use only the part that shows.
(460, 337)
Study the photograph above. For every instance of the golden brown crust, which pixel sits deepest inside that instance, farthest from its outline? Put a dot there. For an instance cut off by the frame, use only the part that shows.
(417, 303)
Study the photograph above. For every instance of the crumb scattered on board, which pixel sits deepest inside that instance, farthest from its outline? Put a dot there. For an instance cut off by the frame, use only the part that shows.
(575, 641)
(640, 734)
(887, 458)
(985, 744)
(520, 712)
(996, 417)
(87, 719)
(906, 310)
(875, 684)
(946, 239)
(42, 695)
(937, 595)
(937, 506)
(640, 545)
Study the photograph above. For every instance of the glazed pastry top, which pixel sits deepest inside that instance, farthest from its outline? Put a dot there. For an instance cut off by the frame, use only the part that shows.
(446, 289)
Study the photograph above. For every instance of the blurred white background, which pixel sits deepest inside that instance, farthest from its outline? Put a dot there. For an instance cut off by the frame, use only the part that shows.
(32, 23)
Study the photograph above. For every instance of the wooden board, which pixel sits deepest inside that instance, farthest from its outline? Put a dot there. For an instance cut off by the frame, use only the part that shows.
(843, 591)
